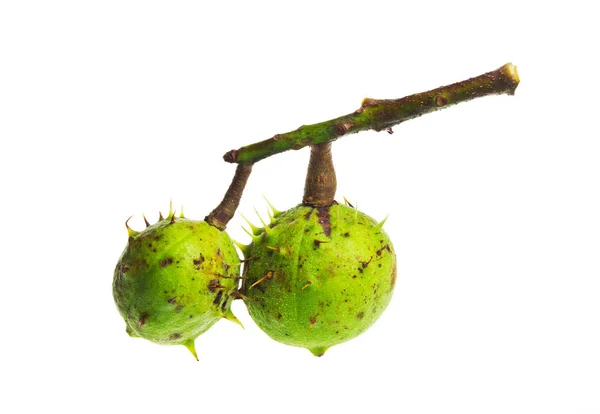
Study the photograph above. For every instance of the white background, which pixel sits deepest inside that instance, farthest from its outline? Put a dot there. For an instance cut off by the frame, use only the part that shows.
(113, 108)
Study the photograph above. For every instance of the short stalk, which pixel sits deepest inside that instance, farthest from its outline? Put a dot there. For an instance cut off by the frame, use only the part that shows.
(321, 184)
(225, 211)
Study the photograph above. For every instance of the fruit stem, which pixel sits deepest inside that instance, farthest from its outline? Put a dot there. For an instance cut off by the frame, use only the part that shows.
(320, 185)
(381, 114)
(224, 212)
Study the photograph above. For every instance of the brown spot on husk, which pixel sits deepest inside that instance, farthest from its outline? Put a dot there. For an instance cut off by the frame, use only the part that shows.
(213, 285)
(386, 247)
(365, 264)
(318, 243)
(308, 214)
(142, 320)
(166, 262)
(224, 305)
(360, 315)
(218, 298)
(175, 336)
(324, 220)
(199, 261)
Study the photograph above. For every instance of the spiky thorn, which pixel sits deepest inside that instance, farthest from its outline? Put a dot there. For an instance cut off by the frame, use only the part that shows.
(276, 213)
(231, 317)
(266, 228)
(192, 348)
(249, 233)
(130, 231)
(348, 203)
(160, 216)
(146, 221)
(245, 249)
(171, 212)
(271, 218)
(236, 294)
(269, 275)
(181, 214)
(280, 250)
(306, 285)
(172, 217)
(236, 277)
(255, 230)
(257, 282)
(277, 249)
(379, 225)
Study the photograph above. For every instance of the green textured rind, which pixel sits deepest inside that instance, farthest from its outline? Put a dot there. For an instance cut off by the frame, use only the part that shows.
(174, 280)
(323, 289)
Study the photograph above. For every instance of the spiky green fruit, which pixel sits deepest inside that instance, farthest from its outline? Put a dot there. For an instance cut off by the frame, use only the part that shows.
(316, 277)
(175, 280)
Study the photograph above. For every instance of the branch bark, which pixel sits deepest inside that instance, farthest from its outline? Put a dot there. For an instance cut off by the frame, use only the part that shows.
(381, 114)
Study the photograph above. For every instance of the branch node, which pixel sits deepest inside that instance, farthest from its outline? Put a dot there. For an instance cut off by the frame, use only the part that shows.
(231, 156)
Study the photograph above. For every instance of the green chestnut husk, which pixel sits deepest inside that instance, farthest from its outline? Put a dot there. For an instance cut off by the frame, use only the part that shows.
(318, 276)
(175, 279)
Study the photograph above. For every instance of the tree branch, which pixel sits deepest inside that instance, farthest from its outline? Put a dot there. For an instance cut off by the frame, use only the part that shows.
(381, 114)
